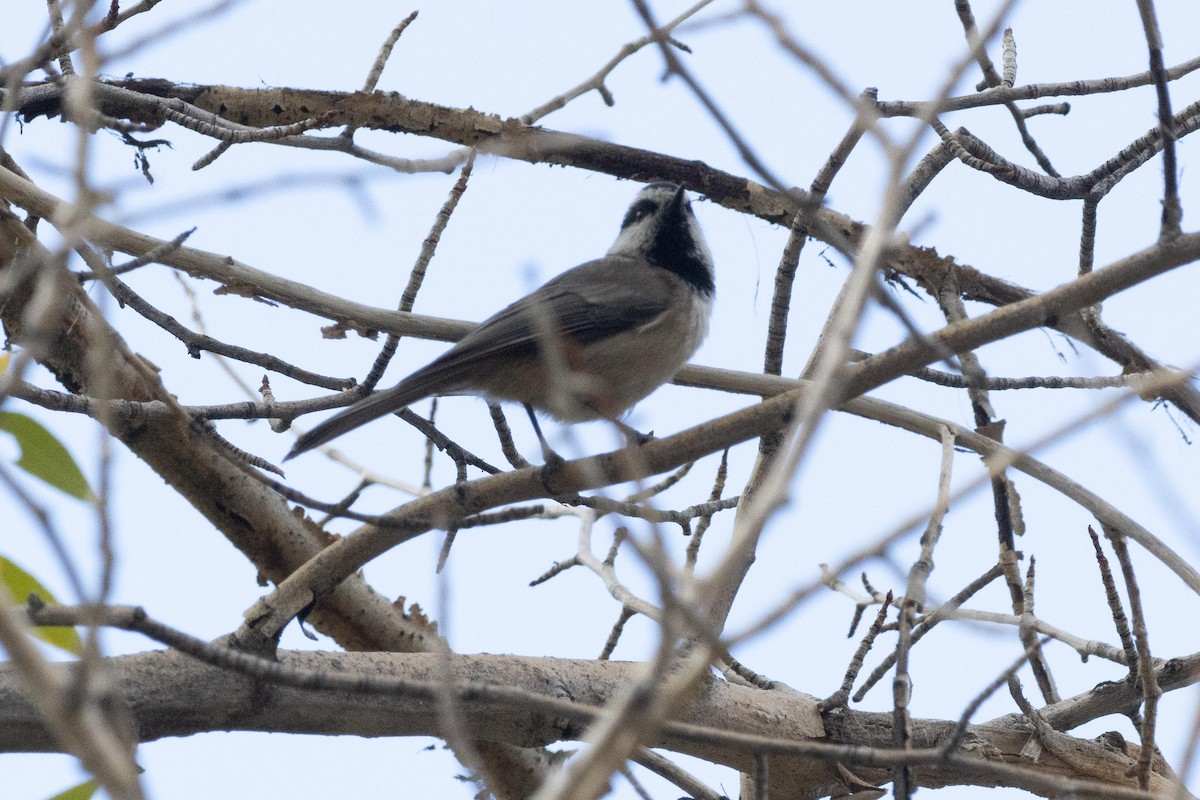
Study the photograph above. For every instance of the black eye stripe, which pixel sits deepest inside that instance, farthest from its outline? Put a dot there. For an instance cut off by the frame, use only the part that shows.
(639, 210)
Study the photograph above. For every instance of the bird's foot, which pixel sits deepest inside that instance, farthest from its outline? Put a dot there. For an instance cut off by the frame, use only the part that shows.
(549, 457)
(633, 436)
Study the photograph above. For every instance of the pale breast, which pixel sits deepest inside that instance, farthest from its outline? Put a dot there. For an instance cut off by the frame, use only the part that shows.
(632, 365)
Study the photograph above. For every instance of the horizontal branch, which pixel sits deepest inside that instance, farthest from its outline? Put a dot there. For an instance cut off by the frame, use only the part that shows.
(179, 465)
(1001, 95)
(169, 694)
(512, 139)
(352, 552)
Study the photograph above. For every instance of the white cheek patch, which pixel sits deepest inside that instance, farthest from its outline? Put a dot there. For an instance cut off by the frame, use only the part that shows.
(634, 239)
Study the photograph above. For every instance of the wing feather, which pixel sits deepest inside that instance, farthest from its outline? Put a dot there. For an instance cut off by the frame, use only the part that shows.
(586, 304)
(590, 302)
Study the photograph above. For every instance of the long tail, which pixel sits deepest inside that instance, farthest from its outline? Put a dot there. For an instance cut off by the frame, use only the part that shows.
(362, 412)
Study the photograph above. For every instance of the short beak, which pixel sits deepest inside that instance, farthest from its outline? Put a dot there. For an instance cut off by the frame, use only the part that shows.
(675, 206)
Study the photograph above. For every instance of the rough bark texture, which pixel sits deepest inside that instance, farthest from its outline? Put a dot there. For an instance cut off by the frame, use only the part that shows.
(171, 694)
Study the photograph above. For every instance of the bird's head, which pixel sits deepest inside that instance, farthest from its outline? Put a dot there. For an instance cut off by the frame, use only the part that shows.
(661, 228)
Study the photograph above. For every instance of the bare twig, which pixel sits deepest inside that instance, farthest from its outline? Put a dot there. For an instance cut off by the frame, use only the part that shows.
(417, 275)
(385, 52)
(939, 614)
(1114, 604)
(1172, 212)
(838, 698)
(693, 548)
(1145, 665)
(955, 738)
(671, 771)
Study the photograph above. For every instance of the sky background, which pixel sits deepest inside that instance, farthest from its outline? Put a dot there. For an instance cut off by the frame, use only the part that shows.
(355, 229)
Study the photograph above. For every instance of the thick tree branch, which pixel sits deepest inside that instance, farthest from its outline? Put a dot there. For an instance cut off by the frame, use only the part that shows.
(255, 519)
(175, 695)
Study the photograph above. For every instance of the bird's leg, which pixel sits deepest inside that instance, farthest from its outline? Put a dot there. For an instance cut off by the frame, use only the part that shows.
(634, 436)
(548, 454)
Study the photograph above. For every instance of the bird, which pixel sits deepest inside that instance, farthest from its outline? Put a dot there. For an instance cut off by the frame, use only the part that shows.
(586, 345)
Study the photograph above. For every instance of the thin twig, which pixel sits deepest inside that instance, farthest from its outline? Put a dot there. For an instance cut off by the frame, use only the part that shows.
(785, 273)
(951, 742)
(504, 434)
(417, 275)
(838, 698)
(939, 614)
(614, 635)
(1172, 213)
(693, 548)
(669, 770)
(1114, 605)
(385, 53)
(1145, 664)
(993, 79)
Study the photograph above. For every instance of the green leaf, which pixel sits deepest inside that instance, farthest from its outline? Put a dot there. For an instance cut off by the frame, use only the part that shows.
(44, 457)
(20, 585)
(83, 791)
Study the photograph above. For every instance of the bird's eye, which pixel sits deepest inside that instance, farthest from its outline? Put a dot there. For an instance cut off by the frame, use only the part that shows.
(639, 210)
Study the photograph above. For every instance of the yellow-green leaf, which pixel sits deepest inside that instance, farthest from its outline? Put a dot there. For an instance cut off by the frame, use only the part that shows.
(20, 584)
(43, 456)
(83, 791)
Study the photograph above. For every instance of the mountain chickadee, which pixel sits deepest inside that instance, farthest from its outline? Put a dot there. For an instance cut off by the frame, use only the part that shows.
(586, 345)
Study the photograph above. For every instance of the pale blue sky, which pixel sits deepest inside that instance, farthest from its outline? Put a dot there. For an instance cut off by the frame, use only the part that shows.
(520, 224)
